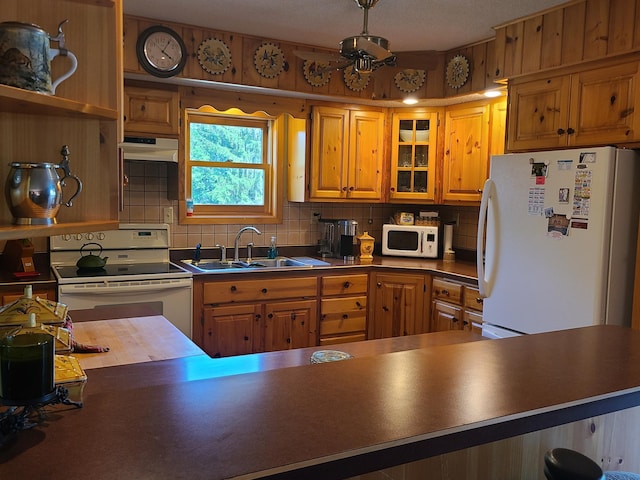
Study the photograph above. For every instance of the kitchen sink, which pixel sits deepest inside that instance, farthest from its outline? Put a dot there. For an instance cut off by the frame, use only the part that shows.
(278, 263)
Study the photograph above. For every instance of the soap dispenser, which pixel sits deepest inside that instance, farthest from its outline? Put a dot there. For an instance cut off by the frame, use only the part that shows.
(273, 249)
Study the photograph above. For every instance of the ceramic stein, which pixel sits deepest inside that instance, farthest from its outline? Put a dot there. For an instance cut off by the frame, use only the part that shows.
(26, 55)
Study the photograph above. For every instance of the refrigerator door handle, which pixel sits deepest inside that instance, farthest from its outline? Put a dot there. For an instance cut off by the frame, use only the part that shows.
(488, 192)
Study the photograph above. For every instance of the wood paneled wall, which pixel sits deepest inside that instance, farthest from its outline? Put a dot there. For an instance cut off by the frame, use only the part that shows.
(242, 71)
(577, 32)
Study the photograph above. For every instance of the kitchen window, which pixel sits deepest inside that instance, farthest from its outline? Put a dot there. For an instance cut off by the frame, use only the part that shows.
(232, 169)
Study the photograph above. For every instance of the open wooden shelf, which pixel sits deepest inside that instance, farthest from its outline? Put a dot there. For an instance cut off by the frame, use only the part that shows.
(16, 232)
(17, 100)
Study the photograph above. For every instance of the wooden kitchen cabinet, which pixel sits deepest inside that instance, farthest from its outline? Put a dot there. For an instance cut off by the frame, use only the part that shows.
(343, 308)
(83, 114)
(255, 315)
(398, 305)
(290, 325)
(151, 111)
(456, 306)
(413, 155)
(347, 148)
(599, 106)
(232, 330)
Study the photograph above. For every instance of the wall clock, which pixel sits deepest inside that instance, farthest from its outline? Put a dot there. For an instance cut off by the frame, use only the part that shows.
(355, 80)
(161, 51)
(409, 80)
(316, 73)
(214, 56)
(268, 60)
(457, 71)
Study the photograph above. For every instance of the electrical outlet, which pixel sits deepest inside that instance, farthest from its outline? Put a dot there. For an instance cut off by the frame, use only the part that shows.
(168, 215)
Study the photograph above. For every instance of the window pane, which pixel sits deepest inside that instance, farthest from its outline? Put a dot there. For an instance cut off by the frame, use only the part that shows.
(227, 186)
(225, 143)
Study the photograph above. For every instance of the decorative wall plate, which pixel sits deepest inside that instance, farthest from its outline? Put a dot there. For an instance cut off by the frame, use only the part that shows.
(457, 71)
(268, 60)
(316, 73)
(214, 56)
(355, 80)
(409, 80)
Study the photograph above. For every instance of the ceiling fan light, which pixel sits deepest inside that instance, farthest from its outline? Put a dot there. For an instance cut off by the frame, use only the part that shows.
(363, 65)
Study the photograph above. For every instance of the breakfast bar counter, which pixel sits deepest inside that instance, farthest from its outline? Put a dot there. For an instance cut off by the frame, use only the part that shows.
(187, 418)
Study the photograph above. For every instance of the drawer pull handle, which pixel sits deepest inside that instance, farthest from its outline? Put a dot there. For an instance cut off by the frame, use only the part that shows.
(246, 338)
(346, 285)
(233, 288)
(445, 292)
(378, 284)
(270, 315)
(345, 316)
(358, 304)
(478, 300)
(264, 290)
(293, 315)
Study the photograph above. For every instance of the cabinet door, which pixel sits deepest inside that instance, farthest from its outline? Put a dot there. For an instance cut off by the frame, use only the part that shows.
(466, 153)
(231, 330)
(366, 144)
(539, 114)
(150, 111)
(413, 156)
(605, 106)
(290, 325)
(445, 316)
(329, 152)
(398, 307)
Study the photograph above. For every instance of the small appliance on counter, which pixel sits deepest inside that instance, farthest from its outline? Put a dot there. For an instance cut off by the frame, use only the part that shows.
(410, 240)
(338, 239)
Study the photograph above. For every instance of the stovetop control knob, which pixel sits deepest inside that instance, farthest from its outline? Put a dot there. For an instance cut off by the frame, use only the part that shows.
(78, 236)
(89, 236)
(101, 236)
(66, 237)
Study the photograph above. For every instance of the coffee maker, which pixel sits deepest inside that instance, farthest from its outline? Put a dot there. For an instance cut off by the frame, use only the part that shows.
(338, 239)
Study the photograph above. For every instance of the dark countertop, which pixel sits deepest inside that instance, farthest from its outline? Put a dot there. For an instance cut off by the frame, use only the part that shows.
(181, 419)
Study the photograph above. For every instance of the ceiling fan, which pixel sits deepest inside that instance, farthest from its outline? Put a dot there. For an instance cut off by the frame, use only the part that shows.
(365, 52)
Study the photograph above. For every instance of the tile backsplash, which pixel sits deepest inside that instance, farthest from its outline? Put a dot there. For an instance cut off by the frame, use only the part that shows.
(146, 197)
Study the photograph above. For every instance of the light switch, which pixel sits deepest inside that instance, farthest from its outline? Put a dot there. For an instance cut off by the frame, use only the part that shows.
(168, 215)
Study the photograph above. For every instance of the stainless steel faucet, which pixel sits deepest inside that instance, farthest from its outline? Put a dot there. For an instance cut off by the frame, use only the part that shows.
(236, 254)
(223, 252)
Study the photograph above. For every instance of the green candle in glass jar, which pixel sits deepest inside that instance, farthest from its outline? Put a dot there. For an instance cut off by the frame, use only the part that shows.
(26, 367)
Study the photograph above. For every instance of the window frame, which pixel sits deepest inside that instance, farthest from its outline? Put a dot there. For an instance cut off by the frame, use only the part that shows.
(272, 165)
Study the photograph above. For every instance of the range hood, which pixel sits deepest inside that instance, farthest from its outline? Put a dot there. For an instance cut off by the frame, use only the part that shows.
(150, 149)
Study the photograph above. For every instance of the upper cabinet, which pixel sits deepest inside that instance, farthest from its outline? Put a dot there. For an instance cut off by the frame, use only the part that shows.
(598, 106)
(346, 154)
(473, 132)
(413, 156)
(84, 113)
(152, 111)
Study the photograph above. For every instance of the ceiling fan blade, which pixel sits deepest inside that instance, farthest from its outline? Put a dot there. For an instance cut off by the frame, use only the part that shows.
(365, 43)
(324, 57)
(419, 60)
(335, 66)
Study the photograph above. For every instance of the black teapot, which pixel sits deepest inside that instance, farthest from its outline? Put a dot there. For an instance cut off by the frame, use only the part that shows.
(91, 261)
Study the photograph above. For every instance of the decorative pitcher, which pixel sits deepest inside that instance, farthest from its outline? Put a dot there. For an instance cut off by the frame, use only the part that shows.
(34, 191)
(26, 55)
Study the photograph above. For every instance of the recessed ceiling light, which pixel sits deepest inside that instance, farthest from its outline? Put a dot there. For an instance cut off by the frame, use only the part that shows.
(410, 101)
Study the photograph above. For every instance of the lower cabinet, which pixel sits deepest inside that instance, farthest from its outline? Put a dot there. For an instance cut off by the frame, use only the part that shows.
(399, 305)
(290, 325)
(456, 306)
(257, 315)
(343, 308)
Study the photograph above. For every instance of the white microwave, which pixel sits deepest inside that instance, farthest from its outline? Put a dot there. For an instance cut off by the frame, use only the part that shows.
(410, 241)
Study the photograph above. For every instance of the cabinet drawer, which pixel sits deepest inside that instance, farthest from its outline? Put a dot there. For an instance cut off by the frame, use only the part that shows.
(344, 284)
(259, 290)
(348, 322)
(341, 305)
(343, 339)
(443, 290)
(472, 299)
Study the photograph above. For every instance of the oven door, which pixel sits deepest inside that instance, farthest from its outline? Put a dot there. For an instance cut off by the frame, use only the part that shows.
(172, 298)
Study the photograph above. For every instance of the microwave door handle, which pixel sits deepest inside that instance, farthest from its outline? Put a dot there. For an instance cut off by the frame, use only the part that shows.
(421, 242)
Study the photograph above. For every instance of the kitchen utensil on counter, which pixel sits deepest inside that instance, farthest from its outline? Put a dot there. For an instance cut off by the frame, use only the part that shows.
(34, 190)
(338, 238)
(91, 261)
(26, 368)
(26, 55)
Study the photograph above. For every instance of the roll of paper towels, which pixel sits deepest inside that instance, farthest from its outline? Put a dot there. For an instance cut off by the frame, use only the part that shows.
(448, 238)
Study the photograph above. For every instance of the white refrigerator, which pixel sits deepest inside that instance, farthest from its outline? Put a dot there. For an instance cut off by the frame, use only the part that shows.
(557, 240)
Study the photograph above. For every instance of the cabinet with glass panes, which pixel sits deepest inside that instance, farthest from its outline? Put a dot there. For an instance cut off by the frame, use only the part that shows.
(413, 156)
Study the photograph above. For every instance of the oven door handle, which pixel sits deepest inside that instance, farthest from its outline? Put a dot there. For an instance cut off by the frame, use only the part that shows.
(111, 289)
